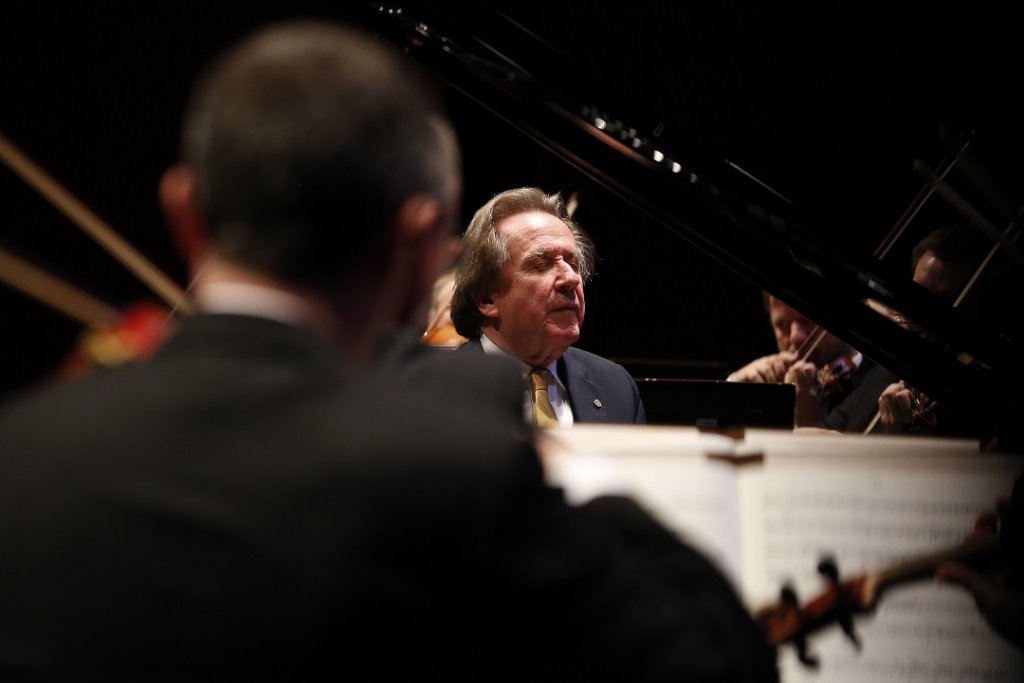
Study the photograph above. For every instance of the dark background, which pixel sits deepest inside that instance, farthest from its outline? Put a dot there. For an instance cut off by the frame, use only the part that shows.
(828, 106)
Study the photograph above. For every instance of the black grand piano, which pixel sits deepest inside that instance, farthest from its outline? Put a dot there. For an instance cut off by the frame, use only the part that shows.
(966, 359)
(664, 121)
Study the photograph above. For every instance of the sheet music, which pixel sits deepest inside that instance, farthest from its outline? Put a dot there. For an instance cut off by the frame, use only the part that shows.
(867, 501)
(669, 472)
(868, 513)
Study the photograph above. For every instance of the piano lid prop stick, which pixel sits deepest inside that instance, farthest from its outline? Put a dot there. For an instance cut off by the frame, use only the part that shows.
(957, 201)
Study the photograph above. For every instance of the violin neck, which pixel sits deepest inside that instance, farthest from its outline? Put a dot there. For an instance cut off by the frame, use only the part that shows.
(919, 567)
(785, 623)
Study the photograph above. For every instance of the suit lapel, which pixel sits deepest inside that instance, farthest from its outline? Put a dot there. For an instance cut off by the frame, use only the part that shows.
(585, 396)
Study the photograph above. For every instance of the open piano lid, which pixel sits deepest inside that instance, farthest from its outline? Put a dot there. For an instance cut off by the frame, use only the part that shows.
(711, 203)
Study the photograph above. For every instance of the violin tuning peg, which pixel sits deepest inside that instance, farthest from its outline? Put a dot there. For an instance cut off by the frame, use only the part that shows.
(805, 657)
(846, 623)
(788, 597)
(790, 602)
(828, 568)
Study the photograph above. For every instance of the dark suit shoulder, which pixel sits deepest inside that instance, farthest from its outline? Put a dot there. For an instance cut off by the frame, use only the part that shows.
(600, 390)
(582, 356)
(479, 380)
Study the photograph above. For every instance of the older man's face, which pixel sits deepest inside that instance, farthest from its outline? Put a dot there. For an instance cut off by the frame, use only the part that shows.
(792, 329)
(536, 308)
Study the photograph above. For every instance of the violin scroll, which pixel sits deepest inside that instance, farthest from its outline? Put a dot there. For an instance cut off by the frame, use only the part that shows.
(788, 622)
(840, 601)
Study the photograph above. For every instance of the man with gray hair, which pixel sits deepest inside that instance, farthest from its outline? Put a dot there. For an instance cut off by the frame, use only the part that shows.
(519, 292)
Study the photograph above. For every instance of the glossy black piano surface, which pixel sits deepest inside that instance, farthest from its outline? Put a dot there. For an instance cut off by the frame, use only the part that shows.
(716, 404)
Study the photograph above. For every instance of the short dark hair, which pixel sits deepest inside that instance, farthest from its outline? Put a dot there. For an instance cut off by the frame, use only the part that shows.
(485, 251)
(305, 140)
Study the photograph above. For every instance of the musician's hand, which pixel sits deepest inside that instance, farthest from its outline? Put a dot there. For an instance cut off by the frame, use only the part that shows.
(765, 370)
(803, 374)
(808, 409)
(894, 407)
(1001, 606)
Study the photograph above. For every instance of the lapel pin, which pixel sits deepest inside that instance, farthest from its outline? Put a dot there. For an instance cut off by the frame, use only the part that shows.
(597, 403)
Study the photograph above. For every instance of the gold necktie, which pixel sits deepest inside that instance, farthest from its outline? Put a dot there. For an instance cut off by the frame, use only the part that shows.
(543, 411)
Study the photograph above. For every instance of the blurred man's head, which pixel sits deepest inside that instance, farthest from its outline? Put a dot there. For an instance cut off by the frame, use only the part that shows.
(942, 262)
(313, 155)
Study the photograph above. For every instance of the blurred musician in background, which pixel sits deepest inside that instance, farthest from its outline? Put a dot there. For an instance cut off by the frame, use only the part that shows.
(806, 354)
(440, 330)
(942, 262)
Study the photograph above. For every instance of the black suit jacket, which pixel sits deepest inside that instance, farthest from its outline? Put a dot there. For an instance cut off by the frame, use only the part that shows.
(475, 381)
(245, 507)
(599, 390)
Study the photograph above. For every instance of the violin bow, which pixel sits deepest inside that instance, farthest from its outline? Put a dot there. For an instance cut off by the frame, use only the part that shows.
(54, 292)
(811, 342)
(93, 226)
(112, 338)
